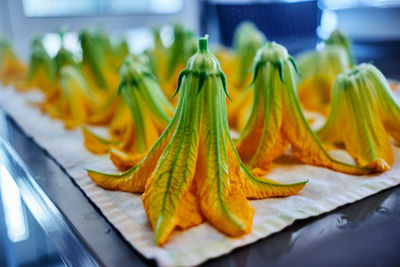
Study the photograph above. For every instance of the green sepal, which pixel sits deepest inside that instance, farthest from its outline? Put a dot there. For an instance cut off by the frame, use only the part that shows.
(256, 68)
(280, 69)
(202, 79)
(132, 83)
(121, 84)
(291, 59)
(223, 80)
(180, 78)
(150, 75)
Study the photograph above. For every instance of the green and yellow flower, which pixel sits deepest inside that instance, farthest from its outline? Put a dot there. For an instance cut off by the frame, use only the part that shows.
(150, 113)
(320, 68)
(193, 171)
(364, 115)
(11, 68)
(277, 120)
(42, 69)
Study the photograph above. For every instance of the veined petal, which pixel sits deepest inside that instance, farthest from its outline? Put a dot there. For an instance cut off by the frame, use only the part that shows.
(125, 181)
(271, 144)
(389, 109)
(366, 138)
(175, 170)
(305, 145)
(96, 144)
(369, 111)
(330, 132)
(277, 119)
(189, 213)
(239, 110)
(257, 187)
(134, 179)
(124, 161)
(222, 203)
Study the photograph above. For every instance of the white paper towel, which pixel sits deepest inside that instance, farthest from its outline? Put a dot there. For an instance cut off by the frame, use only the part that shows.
(325, 191)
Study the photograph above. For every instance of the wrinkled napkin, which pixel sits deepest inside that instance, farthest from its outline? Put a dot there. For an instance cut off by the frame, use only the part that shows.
(325, 191)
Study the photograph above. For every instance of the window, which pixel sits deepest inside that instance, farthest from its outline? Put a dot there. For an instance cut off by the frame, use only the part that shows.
(51, 8)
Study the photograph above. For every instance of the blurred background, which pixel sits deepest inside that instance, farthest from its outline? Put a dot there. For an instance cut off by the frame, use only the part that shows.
(296, 24)
(373, 25)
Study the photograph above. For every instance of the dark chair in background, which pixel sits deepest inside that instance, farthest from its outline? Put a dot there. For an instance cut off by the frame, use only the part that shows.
(292, 24)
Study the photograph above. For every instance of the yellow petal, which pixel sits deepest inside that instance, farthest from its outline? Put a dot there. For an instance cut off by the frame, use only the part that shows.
(305, 145)
(364, 113)
(124, 161)
(95, 143)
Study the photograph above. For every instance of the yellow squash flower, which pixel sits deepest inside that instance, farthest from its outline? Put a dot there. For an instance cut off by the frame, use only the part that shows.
(70, 98)
(364, 115)
(42, 69)
(319, 69)
(51, 104)
(247, 40)
(176, 56)
(340, 38)
(182, 47)
(150, 113)
(158, 56)
(277, 120)
(11, 68)
(77, 100)
(193, 171)
(98, 64)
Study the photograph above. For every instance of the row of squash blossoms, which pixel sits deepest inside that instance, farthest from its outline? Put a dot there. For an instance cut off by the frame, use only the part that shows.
(153, 137)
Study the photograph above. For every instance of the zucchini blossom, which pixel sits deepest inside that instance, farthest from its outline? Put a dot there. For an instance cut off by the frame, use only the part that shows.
(277, 120)
(193, 172)
(150, 113)
(320, 68)
(364, 115)
(11, 68)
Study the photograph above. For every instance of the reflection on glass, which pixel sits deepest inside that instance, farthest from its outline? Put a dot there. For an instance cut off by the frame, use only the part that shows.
(17, 229)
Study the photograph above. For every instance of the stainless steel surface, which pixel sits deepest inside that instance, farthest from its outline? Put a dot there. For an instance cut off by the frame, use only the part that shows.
(71, 247)
(101, 241)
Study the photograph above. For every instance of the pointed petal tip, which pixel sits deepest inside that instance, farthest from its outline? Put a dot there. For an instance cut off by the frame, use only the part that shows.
(379, 165)
(160, 235)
